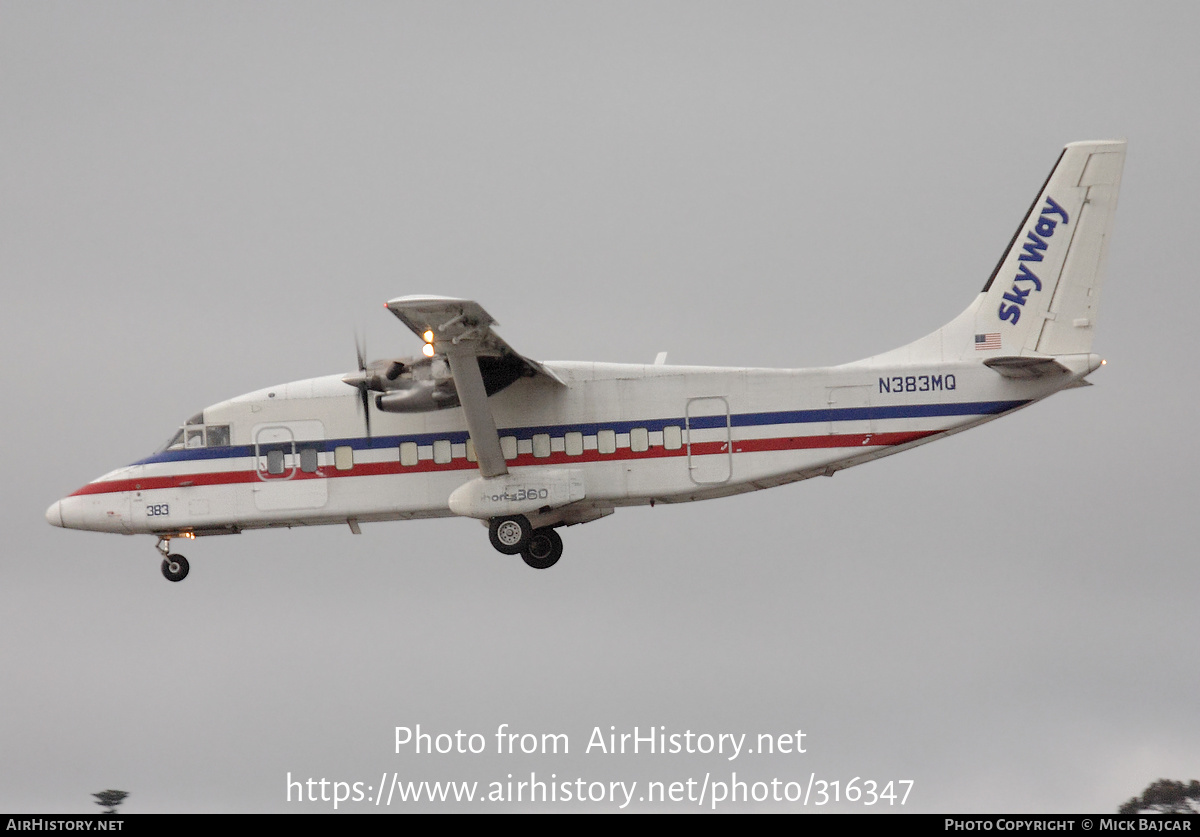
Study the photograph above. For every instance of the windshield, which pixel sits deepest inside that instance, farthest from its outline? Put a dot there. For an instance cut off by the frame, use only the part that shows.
(173, 443)
(196, 434)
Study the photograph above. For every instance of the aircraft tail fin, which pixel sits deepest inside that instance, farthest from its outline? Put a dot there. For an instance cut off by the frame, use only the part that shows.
(1041, 300)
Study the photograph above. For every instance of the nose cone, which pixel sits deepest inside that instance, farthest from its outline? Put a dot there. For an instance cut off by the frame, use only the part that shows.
(92, 512)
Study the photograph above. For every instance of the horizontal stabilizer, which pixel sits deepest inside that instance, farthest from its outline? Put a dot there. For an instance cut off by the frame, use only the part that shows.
(1026, 367)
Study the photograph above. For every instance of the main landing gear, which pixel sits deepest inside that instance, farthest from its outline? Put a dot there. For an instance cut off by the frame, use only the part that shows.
(174, 567)
(539, 548)
(544, 549)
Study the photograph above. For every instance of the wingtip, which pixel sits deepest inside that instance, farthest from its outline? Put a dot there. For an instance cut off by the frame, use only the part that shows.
(418, 299)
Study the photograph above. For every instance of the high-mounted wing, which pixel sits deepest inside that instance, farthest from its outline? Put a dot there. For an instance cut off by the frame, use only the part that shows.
(461, 330)
(461, 322)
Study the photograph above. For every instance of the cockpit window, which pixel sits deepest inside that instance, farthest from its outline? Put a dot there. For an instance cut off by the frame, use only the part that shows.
(195, 434)
(174, 443)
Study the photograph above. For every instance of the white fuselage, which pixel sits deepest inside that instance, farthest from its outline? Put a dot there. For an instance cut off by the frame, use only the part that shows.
(557, 444)
(297, 454)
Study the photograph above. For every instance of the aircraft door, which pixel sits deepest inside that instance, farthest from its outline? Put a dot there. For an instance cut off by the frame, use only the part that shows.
(850, 413)
(709, 448)
(288, 462)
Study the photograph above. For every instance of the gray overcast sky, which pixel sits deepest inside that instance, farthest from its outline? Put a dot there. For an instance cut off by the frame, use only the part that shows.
(200, 199)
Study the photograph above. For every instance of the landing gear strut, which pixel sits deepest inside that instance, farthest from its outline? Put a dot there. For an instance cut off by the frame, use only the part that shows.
(174, 567)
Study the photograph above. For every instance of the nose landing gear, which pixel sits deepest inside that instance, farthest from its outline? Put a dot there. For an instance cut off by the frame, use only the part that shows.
(174, 567)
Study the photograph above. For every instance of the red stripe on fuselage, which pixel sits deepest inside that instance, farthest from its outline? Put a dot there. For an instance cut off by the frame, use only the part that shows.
(373, 469)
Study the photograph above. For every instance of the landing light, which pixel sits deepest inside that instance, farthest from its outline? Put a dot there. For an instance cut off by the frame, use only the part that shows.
(427, 350)
(428, 336)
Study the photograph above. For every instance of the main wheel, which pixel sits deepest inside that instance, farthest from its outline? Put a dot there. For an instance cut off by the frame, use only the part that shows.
(175, 568)
(509, 534)
(544, 549)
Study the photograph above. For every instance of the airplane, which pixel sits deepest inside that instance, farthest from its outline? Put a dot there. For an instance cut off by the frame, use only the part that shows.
(472, 428)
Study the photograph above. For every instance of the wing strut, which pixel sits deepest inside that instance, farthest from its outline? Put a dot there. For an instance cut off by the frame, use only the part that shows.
(462, 332)
(472, 395)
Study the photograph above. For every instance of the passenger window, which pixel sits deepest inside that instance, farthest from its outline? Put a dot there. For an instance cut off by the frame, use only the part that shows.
(573, 443)
(343, 457)
(471, 451)
(441, 451)
(408, 454)
(672, 438)
(606, 441)
(275, 462)
(541, 445)
(508, 446)
(639, 439)
(308, 460)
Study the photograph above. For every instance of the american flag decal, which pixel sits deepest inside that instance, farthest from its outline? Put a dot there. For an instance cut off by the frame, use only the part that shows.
(987, 342)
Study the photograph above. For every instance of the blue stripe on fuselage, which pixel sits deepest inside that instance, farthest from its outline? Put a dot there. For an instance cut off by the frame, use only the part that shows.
(458, 437)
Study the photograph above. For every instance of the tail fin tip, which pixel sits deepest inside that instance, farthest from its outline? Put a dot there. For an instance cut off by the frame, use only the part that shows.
(1044, 297)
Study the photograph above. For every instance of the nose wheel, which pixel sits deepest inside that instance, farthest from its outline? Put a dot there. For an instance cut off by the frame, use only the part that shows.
(174, 567)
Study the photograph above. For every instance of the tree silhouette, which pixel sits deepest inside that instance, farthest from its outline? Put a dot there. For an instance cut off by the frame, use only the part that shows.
(1165, 797)
(110, 798)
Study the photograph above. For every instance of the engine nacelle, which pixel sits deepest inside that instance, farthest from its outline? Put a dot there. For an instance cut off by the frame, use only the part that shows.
(421, 397)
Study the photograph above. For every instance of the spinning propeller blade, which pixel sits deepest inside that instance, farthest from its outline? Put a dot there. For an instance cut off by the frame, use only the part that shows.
(361, 383)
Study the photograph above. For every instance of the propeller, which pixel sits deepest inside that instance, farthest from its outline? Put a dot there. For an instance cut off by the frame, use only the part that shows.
(372, 376)
(361, 382)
